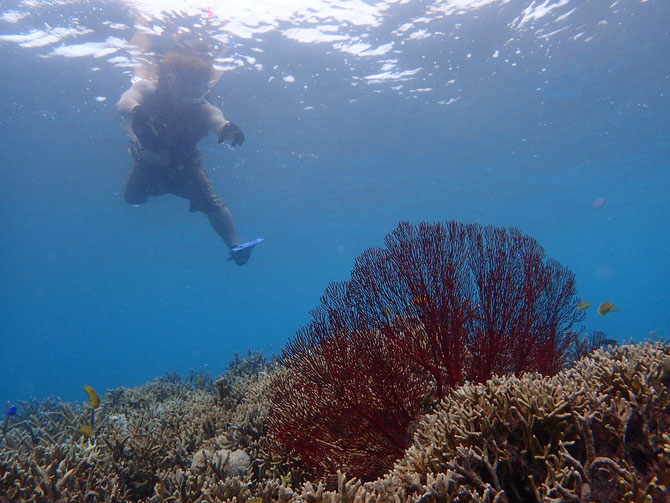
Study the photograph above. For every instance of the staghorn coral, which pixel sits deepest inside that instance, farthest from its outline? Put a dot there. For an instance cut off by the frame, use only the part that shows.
(149, 444)
(591, 433)
(595, 432)
(441, 304)
(582, 345)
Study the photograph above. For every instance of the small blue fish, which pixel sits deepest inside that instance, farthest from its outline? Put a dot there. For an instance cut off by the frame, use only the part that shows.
(11, 411)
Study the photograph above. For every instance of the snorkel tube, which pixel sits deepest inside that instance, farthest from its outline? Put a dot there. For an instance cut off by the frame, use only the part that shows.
(196, 100)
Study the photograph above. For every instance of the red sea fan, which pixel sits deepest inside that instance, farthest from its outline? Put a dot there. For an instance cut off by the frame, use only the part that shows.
(345, 403)
(441, 304)
(523, 307)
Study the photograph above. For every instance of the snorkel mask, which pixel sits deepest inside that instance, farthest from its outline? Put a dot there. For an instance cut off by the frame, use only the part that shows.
(192, 92)
(187, 78)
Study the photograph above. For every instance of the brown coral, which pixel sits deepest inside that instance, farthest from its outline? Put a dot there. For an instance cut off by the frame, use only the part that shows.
(592, 433)
(149, 444)
(597, 432)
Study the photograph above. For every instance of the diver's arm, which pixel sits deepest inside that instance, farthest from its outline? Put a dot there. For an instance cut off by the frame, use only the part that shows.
(223, 128)
(214, 116)
(135, 96)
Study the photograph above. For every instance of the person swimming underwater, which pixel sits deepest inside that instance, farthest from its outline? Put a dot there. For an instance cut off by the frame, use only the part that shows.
(169, 115)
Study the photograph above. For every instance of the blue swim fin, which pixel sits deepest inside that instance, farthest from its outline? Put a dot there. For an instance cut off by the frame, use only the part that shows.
(241, 253)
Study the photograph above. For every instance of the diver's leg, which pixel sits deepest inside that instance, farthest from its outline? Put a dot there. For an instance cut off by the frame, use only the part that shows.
(137, 187)
(223, 224)
(144, 180)
(194, 184)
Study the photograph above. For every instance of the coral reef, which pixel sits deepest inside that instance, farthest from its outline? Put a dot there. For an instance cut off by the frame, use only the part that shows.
(596, 432)
(581, 345)
(439, 305)
(165, 441)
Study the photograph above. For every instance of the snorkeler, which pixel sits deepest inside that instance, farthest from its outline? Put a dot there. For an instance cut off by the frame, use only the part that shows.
(169, 116)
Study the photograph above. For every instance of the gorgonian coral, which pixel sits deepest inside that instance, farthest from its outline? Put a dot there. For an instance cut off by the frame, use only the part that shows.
(440, 304)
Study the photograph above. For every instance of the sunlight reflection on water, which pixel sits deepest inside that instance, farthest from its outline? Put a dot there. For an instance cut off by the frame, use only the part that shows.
(375, 32)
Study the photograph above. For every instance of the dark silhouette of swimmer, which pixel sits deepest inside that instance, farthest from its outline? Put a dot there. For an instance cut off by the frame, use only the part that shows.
(169, 116)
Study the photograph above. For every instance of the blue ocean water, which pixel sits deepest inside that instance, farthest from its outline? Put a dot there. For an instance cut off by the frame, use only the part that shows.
(357, 115)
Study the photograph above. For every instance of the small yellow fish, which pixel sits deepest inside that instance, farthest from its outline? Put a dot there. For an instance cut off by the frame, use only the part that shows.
(583, 305)
(255, 500)
(93, 396)
(606, 307)
(86, 430)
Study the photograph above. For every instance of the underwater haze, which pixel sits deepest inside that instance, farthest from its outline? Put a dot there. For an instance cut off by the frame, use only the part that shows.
(551, 116)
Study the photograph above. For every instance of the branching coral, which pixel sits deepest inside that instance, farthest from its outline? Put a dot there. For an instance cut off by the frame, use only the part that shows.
(441, 304)
(597, 432)
(582, 345)
(592, 433)
(150, 442)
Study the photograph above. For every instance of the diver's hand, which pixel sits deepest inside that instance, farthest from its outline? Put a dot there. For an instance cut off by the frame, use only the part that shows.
(231, 132)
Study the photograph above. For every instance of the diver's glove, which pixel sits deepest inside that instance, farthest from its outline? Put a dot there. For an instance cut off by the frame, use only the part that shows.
(231, 132)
